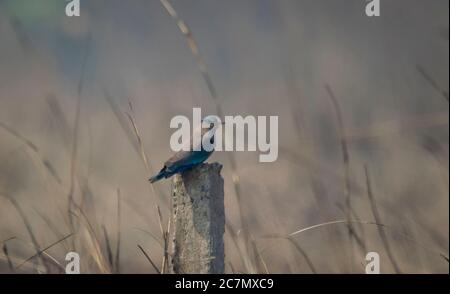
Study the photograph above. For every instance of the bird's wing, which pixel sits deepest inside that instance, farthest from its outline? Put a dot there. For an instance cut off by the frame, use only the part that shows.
(178, 159)
(185, 158)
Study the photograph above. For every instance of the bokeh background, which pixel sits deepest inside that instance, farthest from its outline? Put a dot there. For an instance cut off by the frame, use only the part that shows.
(338, 80)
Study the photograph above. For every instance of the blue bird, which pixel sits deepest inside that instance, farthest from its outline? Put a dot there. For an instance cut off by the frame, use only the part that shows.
(184, 160)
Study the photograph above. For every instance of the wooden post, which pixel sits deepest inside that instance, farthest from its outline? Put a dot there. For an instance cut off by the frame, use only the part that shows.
(199, 221)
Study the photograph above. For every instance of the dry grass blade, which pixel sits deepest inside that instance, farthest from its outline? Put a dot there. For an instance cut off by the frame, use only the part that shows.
(346, 162)
(319, 167)
(184, 29)
(165, 261)
(230, 265)
(140, 144)
(119, 222)
(108, 247)
(61, 119)
(160, 217)
(152, 236)
(22, 36)
(399, 127)
(45, 249)
(145, 160)
(8, 258)
(306, 152)
(29, 228)
(16, 134)
(303, 161)
(31, 146)
(377, 217)
(35, 266)
(16, 260)
(336, 222)
(74, 151)
(297, 247)
(9, 239)
(359, 240)
(259, 256)
(333, 223)
(164, 233)
(133, 135)
(303, 254)
(122, 120)
(52, 227)
(149, 259)
(250, 267)
(96, 252)
(432, 82)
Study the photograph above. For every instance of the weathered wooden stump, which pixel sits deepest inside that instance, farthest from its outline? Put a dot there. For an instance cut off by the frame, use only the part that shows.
(199, 221)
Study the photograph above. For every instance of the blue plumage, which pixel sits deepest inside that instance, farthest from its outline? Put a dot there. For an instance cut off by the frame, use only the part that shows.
(184, 160)
(180, 162)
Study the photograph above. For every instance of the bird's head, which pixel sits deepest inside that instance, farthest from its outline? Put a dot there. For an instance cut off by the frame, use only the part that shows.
(211, 122)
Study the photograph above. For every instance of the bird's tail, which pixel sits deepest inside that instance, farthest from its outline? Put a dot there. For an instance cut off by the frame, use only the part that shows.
(159, 176)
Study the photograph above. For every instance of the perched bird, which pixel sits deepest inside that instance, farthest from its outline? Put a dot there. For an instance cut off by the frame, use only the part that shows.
(183, 160)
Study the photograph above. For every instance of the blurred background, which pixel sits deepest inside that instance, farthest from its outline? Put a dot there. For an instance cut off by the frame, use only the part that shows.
(363, 131)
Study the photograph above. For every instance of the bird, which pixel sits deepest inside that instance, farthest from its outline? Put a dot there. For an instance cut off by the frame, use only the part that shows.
(184, 160)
